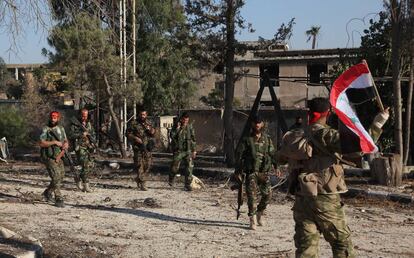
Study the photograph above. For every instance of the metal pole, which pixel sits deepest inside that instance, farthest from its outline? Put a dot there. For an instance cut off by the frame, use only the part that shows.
(125, 72)
(121, 55)
(134, 58)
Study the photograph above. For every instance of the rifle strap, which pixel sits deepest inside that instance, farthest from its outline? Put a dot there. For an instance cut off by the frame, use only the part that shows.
(322, 148)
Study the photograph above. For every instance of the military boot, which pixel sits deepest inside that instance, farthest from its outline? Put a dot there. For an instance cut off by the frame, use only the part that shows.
(78, 182)
(252, 222)
(59, 203)
(188, 188)
(259, 215)
(171, 181)
(143, 186)
(47, 195)
(79, 185)
(86, 188)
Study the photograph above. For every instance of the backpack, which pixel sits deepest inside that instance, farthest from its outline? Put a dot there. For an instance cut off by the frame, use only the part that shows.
(296, 145)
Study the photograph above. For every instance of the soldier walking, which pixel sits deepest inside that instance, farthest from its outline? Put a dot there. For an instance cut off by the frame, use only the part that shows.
(83, 137)
(317, 185)
(141, 134)
(255, 159)
(183, 146)
(53, 143)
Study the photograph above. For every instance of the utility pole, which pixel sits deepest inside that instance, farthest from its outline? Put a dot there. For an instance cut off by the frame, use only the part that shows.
(125, 118)
(123, 57)
(134, 58)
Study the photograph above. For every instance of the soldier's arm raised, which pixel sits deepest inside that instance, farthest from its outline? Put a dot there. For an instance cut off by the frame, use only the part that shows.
(380, 119)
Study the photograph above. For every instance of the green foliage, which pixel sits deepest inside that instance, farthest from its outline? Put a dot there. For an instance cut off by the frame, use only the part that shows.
(282, 35)
(376, 45)
(208, 23)
(376, 50)
(13, 126)
(165, 60)
(215, 98)
(83, 51)
(86, 48)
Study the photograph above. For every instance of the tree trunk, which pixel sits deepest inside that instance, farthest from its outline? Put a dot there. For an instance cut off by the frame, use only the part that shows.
(396, 78)
(408, 110)
(407, 138)
(114, 117)
(313, 41)
(229, 89)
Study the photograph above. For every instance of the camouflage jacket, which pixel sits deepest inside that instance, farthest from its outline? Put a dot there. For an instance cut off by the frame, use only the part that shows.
(53, 151)
(76, 134)
(137, 129)
(183, 139)
(255, 156)
(326, 169)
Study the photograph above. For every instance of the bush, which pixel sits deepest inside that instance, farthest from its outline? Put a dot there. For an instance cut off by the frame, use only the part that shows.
(13, 126)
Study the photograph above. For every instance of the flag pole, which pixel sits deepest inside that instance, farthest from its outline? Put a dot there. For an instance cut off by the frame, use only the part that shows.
(377, 96)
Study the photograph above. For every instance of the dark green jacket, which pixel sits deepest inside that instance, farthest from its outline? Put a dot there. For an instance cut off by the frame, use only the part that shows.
(137, 129)
(183, 139)
(255, 156)
(76, 134)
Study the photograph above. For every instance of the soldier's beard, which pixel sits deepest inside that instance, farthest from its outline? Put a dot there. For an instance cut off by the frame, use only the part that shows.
(257, 131)
(52, 124)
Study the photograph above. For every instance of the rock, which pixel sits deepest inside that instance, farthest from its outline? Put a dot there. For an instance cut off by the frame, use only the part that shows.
(114, 165)
(5, 233)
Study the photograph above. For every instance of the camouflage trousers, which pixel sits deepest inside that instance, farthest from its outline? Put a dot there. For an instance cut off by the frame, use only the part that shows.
(142, 165)
(56, 172)
(188, 166)
(257, 182)
(86, 162)
(321, 214)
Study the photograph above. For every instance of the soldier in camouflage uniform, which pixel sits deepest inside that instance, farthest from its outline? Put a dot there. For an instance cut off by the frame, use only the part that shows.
(83, 138)
(141, 134)
(183, 146)
(318, 207)
(53, 142)
(255, 158)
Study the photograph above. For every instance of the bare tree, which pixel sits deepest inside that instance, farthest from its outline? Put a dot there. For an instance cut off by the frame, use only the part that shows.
(15, 13)
(396, 25)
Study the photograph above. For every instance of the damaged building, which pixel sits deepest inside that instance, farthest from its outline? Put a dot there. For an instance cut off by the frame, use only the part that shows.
(296, 75)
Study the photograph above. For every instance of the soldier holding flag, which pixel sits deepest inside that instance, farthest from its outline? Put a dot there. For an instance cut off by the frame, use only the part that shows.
(318, 207)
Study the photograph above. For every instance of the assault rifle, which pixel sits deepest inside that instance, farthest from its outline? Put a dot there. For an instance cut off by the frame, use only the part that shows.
(149, 146)
(91, 140)
(64, 154)
(239, 177)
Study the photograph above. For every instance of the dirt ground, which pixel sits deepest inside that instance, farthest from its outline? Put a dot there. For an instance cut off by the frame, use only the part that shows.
(116, 220)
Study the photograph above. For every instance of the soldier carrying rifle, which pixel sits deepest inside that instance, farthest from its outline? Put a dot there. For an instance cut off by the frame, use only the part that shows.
(83, 136)
(255, 160)
(54, 144)
(141, 134)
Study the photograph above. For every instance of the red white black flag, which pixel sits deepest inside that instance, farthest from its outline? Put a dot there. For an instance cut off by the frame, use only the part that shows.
(354, 86)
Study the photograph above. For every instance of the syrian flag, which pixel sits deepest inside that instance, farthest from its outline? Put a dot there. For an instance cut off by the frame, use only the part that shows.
(354, 86)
